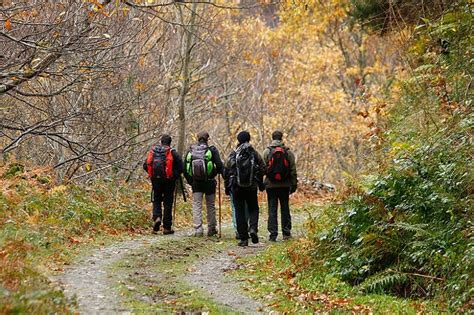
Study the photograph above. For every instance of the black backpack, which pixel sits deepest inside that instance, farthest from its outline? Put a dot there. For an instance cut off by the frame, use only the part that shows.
(278, 166)
(245, 165)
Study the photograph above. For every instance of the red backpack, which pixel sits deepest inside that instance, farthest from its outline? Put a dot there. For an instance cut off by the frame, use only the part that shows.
(159, 163)
(278, 167)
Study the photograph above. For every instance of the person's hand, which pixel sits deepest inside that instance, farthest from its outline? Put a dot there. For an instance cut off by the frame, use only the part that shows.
(261, 186)
(293, 189)
(227, 191)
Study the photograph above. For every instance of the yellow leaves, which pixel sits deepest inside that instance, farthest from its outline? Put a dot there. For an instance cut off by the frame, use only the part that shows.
(247, 56)
(33, 219)
(252, 58)
(142, 61)
(352, 71)
(398, 147)
(88, 167)
(140, 87)
(58, 189)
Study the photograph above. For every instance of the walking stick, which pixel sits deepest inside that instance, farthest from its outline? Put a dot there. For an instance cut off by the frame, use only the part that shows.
(174, 206)
(220, 213)
(182, 188)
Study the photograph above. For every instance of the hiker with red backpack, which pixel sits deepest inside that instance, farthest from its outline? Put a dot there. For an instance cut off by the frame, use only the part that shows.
(280, 182)
(202, 164)
(164, 166)
(245, 171)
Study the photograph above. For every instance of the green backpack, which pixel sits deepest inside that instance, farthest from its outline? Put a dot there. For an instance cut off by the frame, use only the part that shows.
(199, 163)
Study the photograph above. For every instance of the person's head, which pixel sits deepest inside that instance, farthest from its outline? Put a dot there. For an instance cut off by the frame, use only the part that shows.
(165, 139)
(243, 136)
(203, 136)
(277, 135)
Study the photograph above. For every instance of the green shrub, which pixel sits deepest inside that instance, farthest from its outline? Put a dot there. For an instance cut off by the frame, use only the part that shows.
(406, 228)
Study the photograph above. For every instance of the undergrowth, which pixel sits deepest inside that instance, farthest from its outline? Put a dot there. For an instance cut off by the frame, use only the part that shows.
(406, 228)
(42, 225)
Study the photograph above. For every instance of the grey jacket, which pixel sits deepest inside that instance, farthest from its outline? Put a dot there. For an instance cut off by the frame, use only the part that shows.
(292, 180)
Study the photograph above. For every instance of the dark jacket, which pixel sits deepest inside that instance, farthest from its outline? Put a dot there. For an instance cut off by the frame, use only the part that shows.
(231, 171)
(177, 164)
(292, 180)
(209, 186)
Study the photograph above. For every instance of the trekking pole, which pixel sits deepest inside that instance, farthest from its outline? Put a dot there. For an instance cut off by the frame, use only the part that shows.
(182, 188)
(220, 212)
(174, 206)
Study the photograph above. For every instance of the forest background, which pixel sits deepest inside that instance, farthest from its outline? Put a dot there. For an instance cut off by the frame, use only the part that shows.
(87, 88)
(374, 96)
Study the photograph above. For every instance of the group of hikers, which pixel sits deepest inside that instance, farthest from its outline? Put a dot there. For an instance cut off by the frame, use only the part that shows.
(245, 172)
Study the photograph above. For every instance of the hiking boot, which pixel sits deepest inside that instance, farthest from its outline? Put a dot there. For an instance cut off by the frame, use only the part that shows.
(286, 237)
(212, 232)
(272, 238)
(254, 237)
(168, 231)
(156, 225)
(243, 243)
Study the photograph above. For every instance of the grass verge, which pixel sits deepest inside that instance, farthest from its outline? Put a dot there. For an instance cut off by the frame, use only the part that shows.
(44, 225)
(288, 279)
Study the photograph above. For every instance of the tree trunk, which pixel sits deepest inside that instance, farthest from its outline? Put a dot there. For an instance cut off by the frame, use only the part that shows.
(186, 47)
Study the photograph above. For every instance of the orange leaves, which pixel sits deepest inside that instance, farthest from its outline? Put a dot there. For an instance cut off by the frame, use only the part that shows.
(364, 113)
(74, 240)
(140, 87)
(8, 24)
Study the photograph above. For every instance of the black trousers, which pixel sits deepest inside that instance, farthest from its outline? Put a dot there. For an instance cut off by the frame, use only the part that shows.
(241, 198)
(163, 195)
(283, 195)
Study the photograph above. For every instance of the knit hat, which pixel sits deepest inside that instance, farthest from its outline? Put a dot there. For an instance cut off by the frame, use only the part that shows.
(243, 136)
(203, 135)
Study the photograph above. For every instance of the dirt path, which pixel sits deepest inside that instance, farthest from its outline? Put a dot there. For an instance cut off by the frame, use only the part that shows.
(209, 275)
(94, 283)
(89, 280)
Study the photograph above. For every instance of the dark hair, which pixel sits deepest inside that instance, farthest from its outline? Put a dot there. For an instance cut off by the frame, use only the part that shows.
(203, 136)
(165, 139)
(277, 135)
(243, 136)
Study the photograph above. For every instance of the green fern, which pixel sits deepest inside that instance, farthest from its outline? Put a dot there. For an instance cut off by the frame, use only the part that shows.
(420, 229)
(383, 281)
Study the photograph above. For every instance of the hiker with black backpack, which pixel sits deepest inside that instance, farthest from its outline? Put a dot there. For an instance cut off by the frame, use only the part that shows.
(246, 170)
(202, 165)
(164, 166)
(280, 182)
(228, 191)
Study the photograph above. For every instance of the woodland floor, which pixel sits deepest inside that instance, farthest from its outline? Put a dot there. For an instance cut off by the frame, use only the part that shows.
(171, 274)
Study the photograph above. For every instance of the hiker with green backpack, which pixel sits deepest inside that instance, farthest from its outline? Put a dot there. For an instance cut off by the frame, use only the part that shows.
(202, 163)
(245, 171)
(280, 182)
